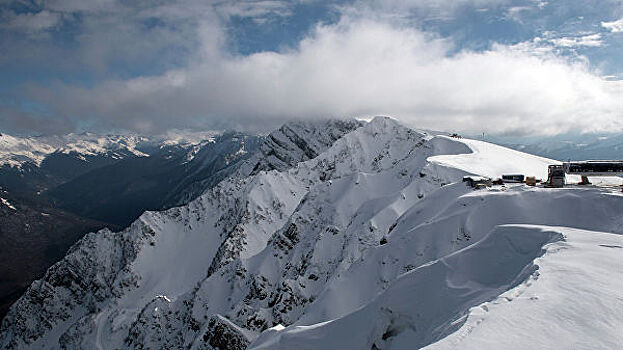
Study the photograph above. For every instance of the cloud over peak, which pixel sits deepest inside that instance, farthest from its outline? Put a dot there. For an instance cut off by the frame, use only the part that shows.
(359, 68)
(360, 65)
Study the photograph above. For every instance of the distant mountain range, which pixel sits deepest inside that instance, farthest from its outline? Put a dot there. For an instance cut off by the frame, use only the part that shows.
(564, 147)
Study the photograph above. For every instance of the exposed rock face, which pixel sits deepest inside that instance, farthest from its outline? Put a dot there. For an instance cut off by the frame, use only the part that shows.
(221, 334)
(298, 142)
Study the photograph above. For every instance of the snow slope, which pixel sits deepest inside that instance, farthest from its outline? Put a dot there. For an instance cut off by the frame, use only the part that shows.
(445, 225)
(573, 302)
(419, 286)
(339, 237)
(493, 161)
(419, 304)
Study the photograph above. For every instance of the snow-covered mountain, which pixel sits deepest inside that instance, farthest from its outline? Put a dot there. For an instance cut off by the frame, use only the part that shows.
(65, 186)
(283, 148)
(165, 178)
(18, 151)
(344, 235)
(39, 163)
(569, 146)
(73, 189)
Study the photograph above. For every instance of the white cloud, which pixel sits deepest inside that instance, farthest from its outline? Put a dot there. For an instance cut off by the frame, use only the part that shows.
(407, 9)
(445, 5)
(90, 6)
(359, 68)
(614, 26)
(113, 37)
(591, 40)
(254, 9)
(33, 22)
(515, 12)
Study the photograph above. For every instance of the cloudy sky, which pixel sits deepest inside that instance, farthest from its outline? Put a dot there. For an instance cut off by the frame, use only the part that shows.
(497, 66)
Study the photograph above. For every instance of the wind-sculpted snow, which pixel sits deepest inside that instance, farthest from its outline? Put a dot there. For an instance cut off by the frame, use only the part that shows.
(491, 160)
(573, 301)
(336, 235)
(421, 305)
(452, 219)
